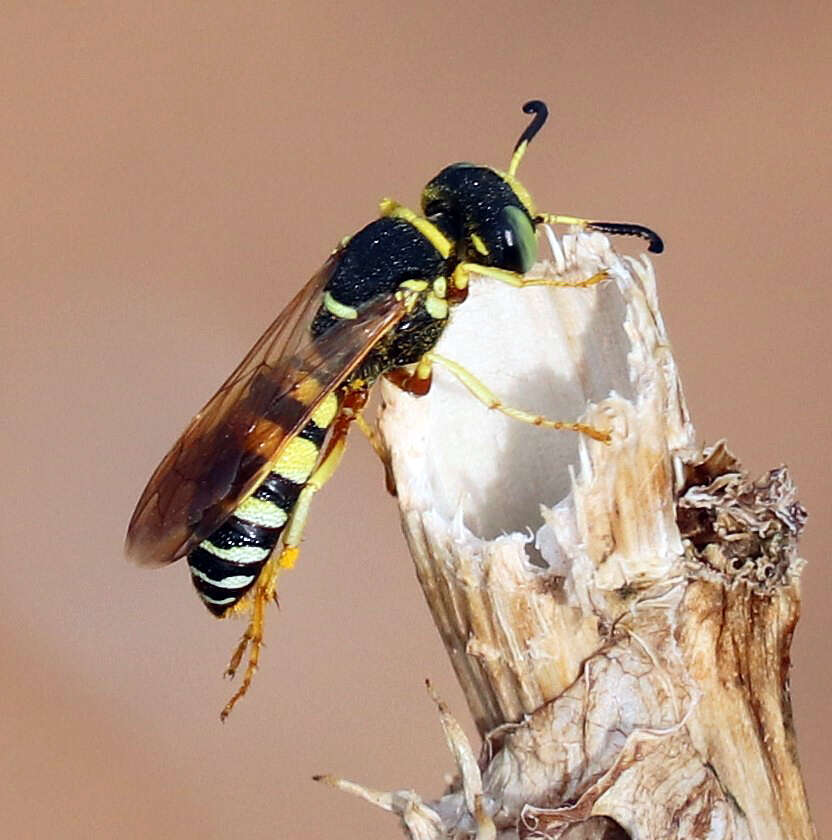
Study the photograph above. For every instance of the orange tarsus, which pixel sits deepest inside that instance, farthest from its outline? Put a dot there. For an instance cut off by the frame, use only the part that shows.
(409, 382)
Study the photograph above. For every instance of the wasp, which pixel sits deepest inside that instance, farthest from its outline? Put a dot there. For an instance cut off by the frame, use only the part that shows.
(233, 494)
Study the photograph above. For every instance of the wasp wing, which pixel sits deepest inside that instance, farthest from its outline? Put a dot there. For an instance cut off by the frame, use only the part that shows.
(229, 447)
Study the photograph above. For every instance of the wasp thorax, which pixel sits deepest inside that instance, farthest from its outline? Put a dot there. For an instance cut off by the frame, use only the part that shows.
(479, 210)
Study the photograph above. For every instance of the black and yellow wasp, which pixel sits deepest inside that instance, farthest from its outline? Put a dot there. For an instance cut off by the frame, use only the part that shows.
(241, 477)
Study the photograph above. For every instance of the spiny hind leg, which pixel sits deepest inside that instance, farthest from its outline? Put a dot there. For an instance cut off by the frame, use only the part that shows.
(486, 396)
(265, 590)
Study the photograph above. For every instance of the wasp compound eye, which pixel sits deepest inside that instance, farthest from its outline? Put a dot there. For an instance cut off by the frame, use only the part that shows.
(516, 233)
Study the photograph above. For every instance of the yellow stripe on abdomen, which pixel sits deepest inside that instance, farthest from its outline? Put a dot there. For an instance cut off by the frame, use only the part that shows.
(325, 413)
(297, 460)
(261, 512)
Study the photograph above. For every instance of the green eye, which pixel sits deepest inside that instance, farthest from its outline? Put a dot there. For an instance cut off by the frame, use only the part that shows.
(520, 245)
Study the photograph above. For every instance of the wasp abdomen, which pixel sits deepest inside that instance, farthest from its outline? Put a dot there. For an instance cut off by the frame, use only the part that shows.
(226, 564)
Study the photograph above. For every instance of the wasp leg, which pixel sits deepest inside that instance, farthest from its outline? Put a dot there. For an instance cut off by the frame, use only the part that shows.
(252, 639)
(381, 450)
(266, 586)
(416, 382)
(488, 398)
(372, 437)
(655, 243)
(352, 401)
(463, 271)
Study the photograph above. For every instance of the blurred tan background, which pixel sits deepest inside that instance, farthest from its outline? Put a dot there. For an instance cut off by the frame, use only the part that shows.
(171, 172)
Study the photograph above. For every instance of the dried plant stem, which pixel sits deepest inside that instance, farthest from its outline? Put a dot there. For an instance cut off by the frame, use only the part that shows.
(619, 616)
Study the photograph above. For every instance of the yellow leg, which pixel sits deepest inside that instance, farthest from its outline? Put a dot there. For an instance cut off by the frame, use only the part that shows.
(352, 412)
(297, 522)
(372, 437)
(381, 450)
(463, 271)
(265, 590)
(488, 398)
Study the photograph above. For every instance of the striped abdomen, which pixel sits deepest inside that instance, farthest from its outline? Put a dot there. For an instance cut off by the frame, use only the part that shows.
(226, 565)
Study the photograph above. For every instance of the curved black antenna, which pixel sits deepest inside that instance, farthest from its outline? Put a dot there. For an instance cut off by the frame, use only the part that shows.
(541, 113)
(655, 246)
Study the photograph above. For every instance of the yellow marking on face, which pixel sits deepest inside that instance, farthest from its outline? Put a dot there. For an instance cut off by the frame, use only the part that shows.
(325, 413)
(394, 210)
(261, 512)
(436, 307)
(339, 310)
(297, 460)
(479, 245)
(414, 285)
(440, 287)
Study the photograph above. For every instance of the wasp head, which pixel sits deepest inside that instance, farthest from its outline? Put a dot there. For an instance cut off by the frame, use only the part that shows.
(482, 212)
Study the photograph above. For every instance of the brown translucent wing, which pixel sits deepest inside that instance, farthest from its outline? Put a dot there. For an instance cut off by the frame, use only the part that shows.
(228, 448)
